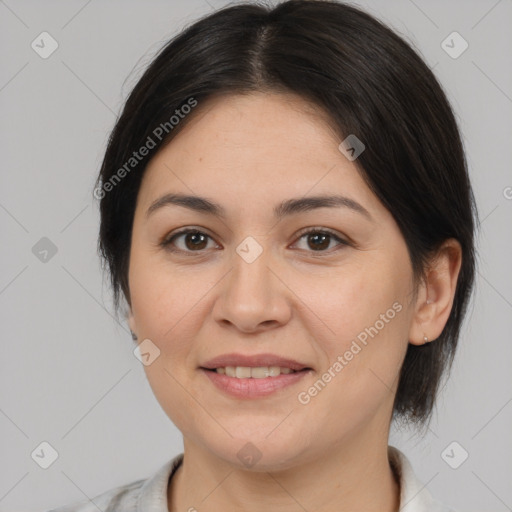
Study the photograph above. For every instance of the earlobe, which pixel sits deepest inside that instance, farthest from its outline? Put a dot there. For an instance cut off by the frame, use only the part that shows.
(436, 294)
(131, 324)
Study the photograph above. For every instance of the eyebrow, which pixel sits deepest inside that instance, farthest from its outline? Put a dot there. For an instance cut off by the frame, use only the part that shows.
(286, 208)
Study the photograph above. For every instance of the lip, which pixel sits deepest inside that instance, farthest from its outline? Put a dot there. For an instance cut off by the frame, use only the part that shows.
(253, 388)
(253, 361)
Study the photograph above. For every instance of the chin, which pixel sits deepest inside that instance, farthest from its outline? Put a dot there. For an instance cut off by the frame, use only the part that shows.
(253, 449)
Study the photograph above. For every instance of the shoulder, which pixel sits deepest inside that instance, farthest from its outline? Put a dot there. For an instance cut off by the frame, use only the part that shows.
(148, 495)
(123, 497)
(414, 496)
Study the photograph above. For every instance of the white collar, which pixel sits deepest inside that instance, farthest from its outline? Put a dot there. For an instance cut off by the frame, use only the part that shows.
(414, 496)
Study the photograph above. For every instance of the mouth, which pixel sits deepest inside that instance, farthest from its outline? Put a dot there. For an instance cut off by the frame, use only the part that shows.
(248, 377)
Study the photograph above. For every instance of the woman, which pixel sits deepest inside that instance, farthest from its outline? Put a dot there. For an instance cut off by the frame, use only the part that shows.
(286, 210)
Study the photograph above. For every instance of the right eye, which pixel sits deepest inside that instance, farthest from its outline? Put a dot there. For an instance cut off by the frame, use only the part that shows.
(193, 240)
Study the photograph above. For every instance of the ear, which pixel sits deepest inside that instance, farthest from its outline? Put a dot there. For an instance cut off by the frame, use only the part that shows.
(436, 293)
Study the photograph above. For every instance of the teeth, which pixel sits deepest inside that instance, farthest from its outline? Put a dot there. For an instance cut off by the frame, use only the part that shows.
(246, 372)
(242, 372)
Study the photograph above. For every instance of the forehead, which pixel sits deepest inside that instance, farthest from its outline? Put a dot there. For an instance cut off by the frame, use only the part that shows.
(258, 147)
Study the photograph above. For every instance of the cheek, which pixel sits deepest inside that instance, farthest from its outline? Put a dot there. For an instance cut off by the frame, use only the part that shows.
(166, 299)
(354, 301)
(168, 310)
(365, 318)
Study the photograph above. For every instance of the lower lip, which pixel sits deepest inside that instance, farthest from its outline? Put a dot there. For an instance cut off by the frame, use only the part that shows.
(253, 388)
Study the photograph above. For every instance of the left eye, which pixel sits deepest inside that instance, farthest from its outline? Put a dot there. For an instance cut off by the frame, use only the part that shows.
(318, 240)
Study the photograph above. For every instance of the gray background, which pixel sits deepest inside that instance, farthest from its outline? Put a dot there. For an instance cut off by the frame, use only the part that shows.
(68, 375)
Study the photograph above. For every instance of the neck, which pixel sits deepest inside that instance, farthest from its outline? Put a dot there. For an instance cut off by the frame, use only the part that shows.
(353, 476)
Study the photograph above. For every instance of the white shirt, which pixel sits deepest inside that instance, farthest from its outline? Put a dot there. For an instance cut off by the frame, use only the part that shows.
(150, 495)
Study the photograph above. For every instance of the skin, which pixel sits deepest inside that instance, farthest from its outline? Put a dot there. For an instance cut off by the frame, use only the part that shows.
(249, 153)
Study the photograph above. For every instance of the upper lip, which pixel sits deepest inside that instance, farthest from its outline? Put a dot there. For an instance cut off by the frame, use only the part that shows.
(257, 360)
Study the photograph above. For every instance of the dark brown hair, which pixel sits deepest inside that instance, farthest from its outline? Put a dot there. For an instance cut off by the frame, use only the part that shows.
(370, 82)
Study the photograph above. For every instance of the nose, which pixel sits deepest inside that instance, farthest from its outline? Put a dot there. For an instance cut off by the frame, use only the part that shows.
(252, 297)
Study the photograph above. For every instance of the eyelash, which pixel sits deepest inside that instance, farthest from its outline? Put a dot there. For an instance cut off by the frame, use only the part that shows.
(167, 242)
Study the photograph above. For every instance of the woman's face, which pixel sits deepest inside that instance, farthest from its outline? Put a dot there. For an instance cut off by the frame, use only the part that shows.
(252, 282)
